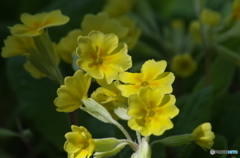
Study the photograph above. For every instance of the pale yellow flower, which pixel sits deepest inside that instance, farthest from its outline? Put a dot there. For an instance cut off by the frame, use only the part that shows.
(34, 72)
(183, 65)
(152, 74)
(236, 10)
(110, 97)
(34, 25)
(17, 46)
(79, 143)
(102, 22)
(70, 94)
(134, 32)
(116, 8)
(194, 31)
(210, 17)
(68, 44)
(151, 111)
(203, 136)
(102, 56)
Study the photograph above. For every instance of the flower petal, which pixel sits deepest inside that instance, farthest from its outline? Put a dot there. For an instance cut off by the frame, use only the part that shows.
(128, 90)
(151, 69)
(151, 97)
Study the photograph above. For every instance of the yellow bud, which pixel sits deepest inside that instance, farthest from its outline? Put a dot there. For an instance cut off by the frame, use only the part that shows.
(210, 17)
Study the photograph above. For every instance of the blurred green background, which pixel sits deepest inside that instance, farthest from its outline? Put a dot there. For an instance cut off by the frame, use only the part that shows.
(30, 101)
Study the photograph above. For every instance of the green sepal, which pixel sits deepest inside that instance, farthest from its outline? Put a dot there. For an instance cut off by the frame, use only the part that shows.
(108, 147)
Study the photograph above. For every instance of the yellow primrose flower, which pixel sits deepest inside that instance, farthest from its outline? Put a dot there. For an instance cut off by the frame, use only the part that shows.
(79, 143)
(17, 46)
(236, 10)
(102, 22)
(151, 111)
(203, 136)
(67, 45)
(152, 74)
(183, 65)
(110, 97)
(210, 17)
(194, 30)
(101, 55)
(70, 94)
(116, 8)
(134, 32)
(34, 25)
(34, 72)
(177, 24)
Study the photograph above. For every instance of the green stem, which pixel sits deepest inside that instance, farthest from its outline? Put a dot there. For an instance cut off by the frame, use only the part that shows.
(74, 118)
(24, 139)
(133, 146)
(138, 137)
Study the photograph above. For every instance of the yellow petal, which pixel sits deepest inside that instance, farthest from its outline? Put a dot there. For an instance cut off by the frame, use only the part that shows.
(151, 97)
(159, 124)
(167, 106)
(133, 78)
(76, 139)
(70, 148)
(151, 69)
(128, 90)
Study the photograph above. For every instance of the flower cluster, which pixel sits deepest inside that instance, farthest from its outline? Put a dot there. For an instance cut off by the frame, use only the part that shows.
(99, 52)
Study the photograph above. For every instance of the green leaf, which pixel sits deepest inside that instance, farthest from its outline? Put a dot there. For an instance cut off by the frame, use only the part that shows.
(222, 73)
(35, 100)
(195, 112)
(228, 54)
(6, 133)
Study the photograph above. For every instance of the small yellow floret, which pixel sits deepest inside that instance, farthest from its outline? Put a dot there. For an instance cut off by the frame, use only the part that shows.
(34, 25)
(183, 65)
(79, 143)
(210, 17)
(102, 56)
(151, 111)
(70, 94)
(236, 10)
(203, 136)
(152, 74)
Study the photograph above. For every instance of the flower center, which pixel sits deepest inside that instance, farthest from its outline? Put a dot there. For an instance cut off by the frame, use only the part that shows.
(99, 61)
(144, 83)
(151, 113)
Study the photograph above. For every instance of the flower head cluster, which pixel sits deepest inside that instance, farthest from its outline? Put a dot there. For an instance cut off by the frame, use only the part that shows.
(151, 111)
(102, 56)
(79, 143)
(183, 65)
(33, 25)
(203, 136)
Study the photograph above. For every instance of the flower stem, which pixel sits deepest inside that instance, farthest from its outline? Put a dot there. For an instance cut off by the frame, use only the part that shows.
(74, 118)
(133, 146)
(24, 139)
(138, 137)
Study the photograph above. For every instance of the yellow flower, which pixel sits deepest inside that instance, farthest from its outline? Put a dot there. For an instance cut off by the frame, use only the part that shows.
(210, 17)
(177, 24)
(102, 22)
(194, 30)
(116, 8)
(183, 65)
(203, 136)
(110, 97)
(79, 143)
(152, 74)
(151, 111)
(17, 46)
(67, 45)
(236, 10)
(34, 25)
(134, 32)
(101, 56)
(34, 72)
(70, 94)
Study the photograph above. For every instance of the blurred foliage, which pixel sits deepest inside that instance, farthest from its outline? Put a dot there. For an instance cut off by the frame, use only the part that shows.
(31, 101)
